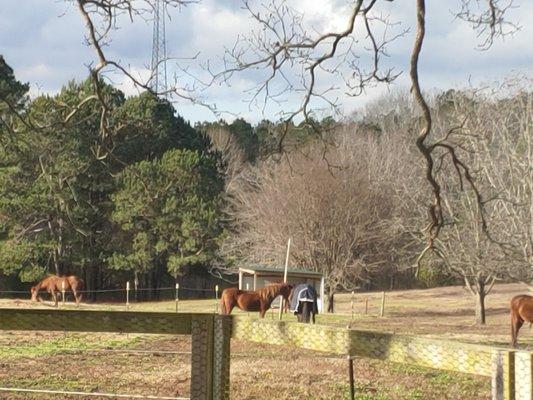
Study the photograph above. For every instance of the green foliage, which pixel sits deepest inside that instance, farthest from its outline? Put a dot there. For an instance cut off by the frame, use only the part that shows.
(147, 127)
(11, 90)
(58, 185)
(170, 209)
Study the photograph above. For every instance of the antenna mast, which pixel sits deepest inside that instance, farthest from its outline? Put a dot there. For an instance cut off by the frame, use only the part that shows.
(158, 81)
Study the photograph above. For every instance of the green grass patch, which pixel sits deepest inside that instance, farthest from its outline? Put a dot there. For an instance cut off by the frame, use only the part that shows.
(60, 345)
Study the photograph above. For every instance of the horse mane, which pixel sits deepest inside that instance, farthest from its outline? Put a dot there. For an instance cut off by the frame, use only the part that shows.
(270, 291)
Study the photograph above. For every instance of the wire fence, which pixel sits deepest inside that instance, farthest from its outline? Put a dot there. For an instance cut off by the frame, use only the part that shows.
(127, 295)
(102, 363)
(79, 365)
(130, 364)
(158, 367)
(508, 370)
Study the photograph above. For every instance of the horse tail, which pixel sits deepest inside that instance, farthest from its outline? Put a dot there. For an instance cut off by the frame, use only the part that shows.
(516, 319)
(81, 287)
(222, 306)
(514, 322)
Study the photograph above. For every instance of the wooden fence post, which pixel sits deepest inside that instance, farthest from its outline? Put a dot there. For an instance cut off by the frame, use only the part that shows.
(210, 358)
(221, 357)
(503, 372)
(382, 312)
(202, 357)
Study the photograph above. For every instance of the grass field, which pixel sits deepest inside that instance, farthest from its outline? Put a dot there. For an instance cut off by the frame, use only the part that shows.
(108, 362)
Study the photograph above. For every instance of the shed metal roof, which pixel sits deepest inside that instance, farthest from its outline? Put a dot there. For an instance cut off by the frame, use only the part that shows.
(264, 270)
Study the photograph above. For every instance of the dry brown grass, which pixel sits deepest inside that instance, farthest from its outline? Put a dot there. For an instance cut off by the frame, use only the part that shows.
(446, 312)
(261, 371)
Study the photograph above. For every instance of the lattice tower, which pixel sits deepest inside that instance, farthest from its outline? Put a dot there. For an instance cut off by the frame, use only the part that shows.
(158, 82)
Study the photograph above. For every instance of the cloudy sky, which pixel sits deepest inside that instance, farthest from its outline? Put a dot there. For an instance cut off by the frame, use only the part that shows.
(43, 41)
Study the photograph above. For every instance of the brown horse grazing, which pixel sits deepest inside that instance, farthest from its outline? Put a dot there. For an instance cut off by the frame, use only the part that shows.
(521, 311)
(257, 300)
(54, 284)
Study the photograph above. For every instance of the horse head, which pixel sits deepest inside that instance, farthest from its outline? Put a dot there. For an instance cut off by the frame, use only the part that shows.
(286, 290)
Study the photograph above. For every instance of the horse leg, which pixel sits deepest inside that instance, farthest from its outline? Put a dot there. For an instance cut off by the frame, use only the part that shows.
(77, 297)
(516, 324)
(263, 308)
(54, 297)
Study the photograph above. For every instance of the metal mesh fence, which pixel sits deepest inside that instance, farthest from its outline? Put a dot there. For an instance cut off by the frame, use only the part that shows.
(56, 365)
(510, 373)
(207, 369)
(523, 375)
(129, 363)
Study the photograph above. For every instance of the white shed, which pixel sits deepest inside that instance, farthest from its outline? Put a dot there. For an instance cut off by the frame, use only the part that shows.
(252, 278)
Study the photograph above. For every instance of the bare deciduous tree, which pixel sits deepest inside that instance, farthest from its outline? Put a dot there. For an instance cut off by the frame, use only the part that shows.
(295, 58)
(342, 220)
(232, 154)
(497, 135)
(493, 136)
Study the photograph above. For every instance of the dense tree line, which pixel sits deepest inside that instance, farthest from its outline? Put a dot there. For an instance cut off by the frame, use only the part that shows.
(135, 193)
(142, 199)
(147, 195)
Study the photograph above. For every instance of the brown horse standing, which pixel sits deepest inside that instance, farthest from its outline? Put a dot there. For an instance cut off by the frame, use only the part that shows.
(54, 284)
(257, 300)
(521, 311)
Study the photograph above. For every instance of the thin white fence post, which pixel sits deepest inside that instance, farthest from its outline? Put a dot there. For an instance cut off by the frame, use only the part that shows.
(282, 301)
(247, 289)
(177, 295)
(366, 306)
(63, 291)
(128, 295)
(353, 295)
(216, 299)
(382, 312)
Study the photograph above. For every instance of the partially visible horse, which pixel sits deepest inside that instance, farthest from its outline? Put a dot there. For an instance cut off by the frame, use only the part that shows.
(256, 300)
(303, 302)
(521, 311)
(54, 285)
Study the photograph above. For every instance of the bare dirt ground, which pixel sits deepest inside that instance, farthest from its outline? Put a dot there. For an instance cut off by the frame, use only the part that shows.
(106, 363)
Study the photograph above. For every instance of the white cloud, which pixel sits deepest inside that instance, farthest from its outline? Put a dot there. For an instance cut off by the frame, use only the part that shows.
(47, 50)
